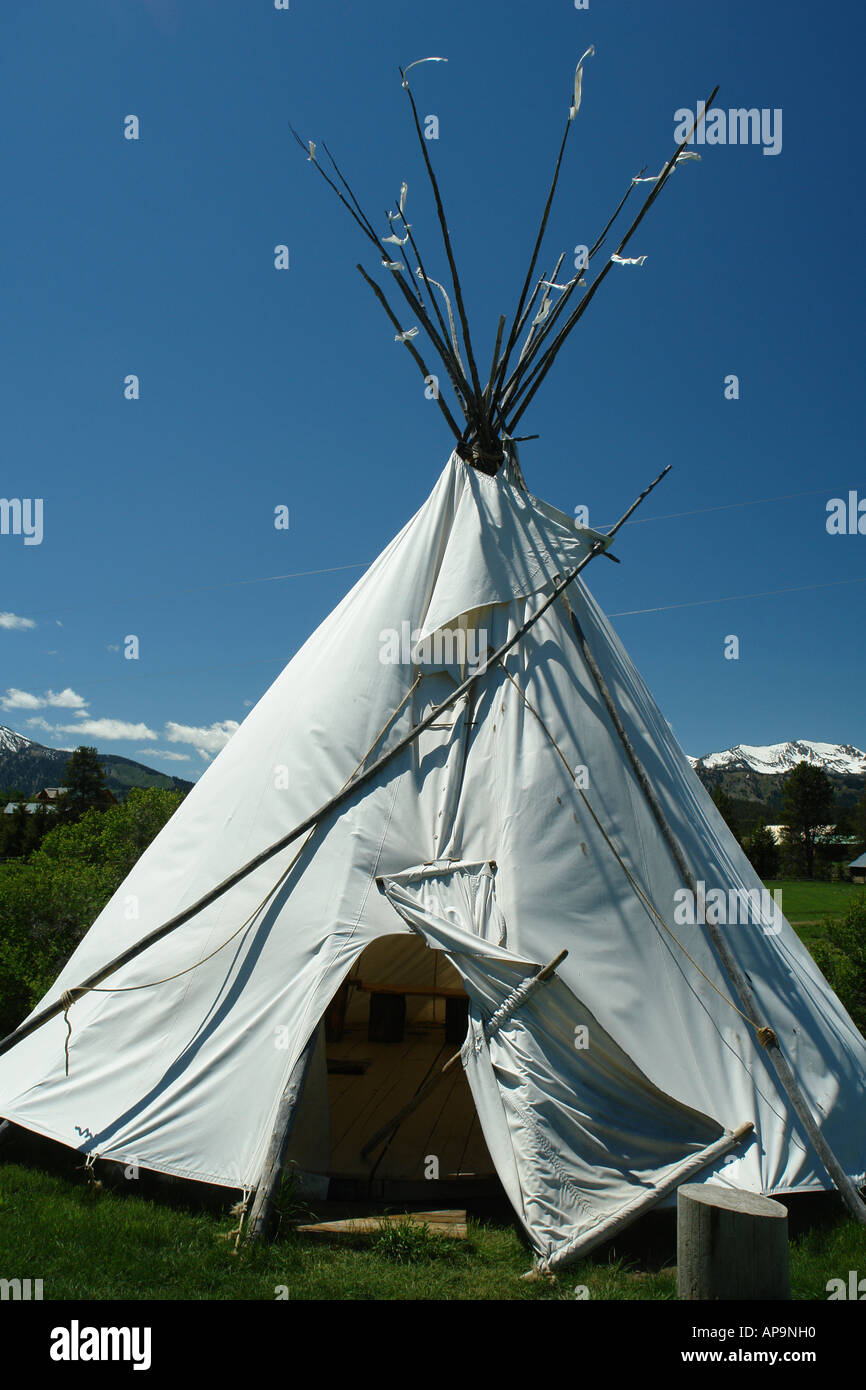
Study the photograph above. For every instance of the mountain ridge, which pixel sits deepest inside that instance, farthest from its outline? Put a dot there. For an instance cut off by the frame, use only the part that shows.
(30, 765)
(774, 759)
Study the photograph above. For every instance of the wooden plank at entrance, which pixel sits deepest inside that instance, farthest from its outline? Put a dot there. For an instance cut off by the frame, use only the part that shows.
(438, 1223)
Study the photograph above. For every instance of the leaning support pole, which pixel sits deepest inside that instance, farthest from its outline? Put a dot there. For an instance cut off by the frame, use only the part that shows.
(263, 1213)
(737, 976)
(332, 804)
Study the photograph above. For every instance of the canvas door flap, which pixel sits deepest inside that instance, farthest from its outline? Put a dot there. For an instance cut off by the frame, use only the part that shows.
(580, 1136)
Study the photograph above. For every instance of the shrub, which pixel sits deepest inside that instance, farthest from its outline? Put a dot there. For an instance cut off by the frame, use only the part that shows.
(404, 1242)
(841, 956)
(49, 900)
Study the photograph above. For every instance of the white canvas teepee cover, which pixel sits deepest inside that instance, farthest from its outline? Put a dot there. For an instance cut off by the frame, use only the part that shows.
(185, 1076)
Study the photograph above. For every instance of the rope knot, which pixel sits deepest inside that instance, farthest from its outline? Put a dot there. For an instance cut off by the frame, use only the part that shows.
(767, 1038)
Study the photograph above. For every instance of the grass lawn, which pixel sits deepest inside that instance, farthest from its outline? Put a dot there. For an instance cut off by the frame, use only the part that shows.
(804, 900)
(98, 1244)
(804, 903)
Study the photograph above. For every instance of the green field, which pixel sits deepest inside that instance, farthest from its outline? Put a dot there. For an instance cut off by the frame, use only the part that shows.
(804, 900)
(806, 903)
(87, 1243)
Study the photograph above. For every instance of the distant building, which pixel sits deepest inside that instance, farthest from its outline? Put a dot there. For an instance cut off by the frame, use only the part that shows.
(858, 870)
(49, 794)
(47, 797)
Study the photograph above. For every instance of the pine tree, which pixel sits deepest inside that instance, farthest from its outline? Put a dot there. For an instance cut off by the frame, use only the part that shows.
(725, 807)
(762, 851)
(807, 805)
(86, 788)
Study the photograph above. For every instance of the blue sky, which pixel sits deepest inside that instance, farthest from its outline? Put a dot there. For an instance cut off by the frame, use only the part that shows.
(260, 387)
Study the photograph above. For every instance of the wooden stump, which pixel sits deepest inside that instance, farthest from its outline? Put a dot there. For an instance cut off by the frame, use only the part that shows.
(730, 1244)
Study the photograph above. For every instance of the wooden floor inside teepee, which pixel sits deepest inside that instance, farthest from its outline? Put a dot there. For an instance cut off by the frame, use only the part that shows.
(365, 1097)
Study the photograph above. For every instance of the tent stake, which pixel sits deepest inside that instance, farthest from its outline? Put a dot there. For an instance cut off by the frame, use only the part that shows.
(68, 997)
(737, 976)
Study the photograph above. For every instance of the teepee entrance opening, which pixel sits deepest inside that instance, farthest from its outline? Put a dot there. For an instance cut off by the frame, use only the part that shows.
(393, 1024)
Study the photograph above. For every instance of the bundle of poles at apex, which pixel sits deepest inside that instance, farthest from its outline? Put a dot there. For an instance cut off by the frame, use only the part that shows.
(491, 412)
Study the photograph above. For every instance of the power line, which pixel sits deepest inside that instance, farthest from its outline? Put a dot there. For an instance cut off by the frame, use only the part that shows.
(732, 598)
(363, 564)
(727, 506)
(205, 588)
(143, 674)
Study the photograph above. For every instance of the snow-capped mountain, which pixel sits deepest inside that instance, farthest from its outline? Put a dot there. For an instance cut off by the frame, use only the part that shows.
(773, 758)
(26, 765)
(10, 742)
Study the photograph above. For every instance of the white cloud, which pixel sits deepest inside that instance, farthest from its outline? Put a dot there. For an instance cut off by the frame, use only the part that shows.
(11, 620)
(107, 728)
(20, 699)
(204, 740)
(61, 699)
(165, 753)
(65, 699)
(39, 723)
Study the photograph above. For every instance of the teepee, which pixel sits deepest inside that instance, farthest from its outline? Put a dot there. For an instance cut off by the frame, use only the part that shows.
(460, 766)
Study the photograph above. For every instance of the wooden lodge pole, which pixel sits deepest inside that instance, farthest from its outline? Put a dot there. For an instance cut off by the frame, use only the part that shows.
(263, 1213)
